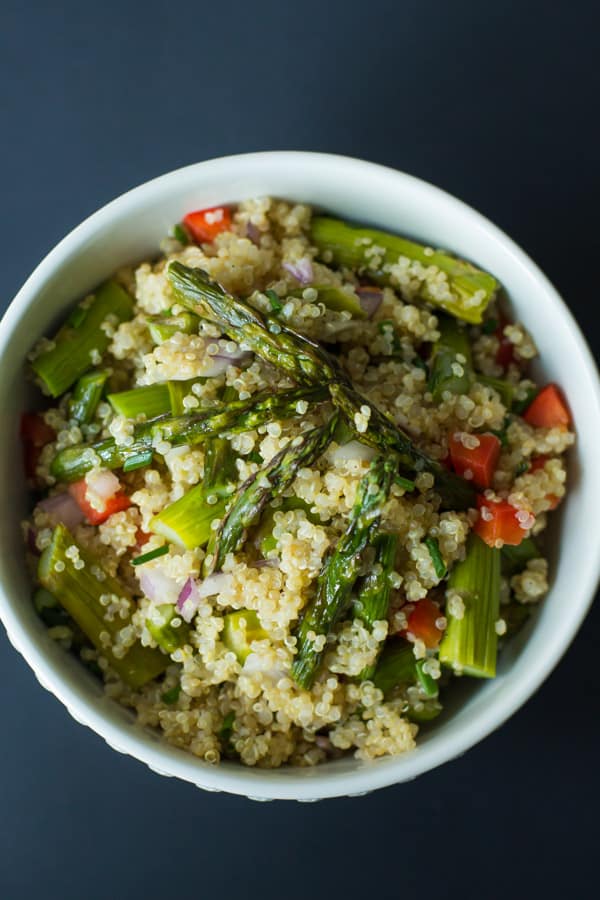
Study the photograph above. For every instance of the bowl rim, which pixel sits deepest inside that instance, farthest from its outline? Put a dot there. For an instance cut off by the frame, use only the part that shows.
(263, 784)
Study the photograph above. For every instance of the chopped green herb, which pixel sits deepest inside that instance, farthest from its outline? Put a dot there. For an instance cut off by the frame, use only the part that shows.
(227, 727)
(436, 557)
(521, 468)
(273, 297)
(489, 326)
(150, 555)
(519, 406)
(171, 696)
(180, 234)
(427, 683)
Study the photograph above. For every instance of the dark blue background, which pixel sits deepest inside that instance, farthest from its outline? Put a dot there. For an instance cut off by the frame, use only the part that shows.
(497, 103)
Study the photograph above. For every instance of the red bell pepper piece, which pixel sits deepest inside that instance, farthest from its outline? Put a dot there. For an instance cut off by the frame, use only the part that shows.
(548, 409)
(498, 523)
(421, 622)
(477, 464)
(35, 434)
(116, 503)
(205, 224)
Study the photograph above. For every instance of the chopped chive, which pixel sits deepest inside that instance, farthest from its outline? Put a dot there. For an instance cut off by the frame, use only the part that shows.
(273, 298)
(436, 557)
(255, 457)
(144, 458)
(419, 363)
(171, 696)
(519, 406)
(521, 468)
(385, 327)
(180, 234)
(150, 555)
(405, 483)
(489, 326)
(502, 433)
(227, 727)
(427, 683)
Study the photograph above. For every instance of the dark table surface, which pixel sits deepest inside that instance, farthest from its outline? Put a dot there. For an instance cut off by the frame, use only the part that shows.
(496, 103)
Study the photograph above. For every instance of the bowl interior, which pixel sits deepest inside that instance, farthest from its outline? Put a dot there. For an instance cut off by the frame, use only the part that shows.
(129, 230)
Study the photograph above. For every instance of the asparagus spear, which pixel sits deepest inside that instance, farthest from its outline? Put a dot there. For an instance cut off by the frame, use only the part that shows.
(82, 340)
(73, 462)
(468, 290)
(341, 568)
(301, 358)
(373, 598)
(80, 591)
(163, 328)
(306, 362)
(188, 521)
(262, 487)
(151, 401)
(240, 629)
(86, 396)
(384, 436)
(396, 666)
(470, 643)
(514, 559)
(502, 387)
(335, 298)
(164, 633)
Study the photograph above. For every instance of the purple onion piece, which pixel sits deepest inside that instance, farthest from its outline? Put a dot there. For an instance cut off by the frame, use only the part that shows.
(62, 509)
(253, 233)
(370, 299)
(301, 270)
(188, 600)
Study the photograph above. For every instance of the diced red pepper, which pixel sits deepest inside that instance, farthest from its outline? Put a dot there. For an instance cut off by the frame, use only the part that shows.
(477, 464)
(498, 523)
(205, 224)
(35, 434)
(111, 505)
(548, 409)
(538, 462)
(141, 538)
(421, 622)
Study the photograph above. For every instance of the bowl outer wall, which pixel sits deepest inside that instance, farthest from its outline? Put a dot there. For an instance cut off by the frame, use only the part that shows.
(128, 230)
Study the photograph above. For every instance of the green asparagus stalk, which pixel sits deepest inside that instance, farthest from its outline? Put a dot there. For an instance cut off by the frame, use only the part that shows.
(384, 436)
(86, 396)
(341, 568)
(240, 629)
(81, 591)
(81, 341)
(470, 643)
(151, 401)
(301, 358)
(396, 666)
(168, 637)
(73, 462)
(451, 361)
(262, 487)
(187, 522)
(335, 298)
(161, 329)
(469, 289)
(373, 597)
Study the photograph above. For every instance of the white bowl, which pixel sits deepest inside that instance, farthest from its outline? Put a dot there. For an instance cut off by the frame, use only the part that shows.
(130, 229)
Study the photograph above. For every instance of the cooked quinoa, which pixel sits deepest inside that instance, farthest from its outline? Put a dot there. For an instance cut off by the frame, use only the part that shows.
(222, 622)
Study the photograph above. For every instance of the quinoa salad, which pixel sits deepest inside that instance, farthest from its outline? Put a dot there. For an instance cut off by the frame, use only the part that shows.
(290, 480)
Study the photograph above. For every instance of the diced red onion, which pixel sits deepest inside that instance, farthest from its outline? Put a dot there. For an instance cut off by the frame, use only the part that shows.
(214, 584)
(353, 450)
(302, 270)
(159, 587)
(370, 299)
(62, 509)
(253, 233)
(103, 483)
(188, 600)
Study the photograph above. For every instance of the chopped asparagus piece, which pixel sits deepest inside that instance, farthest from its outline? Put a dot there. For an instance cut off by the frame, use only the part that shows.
(470, 643)
(451, 361)
(86, 396)
(469, 289)
(335, 298)
(396, 666)
(503, 388)
(49, 609)
(262, 487)
(138, 461)
(180, 389)
(427, 683)
(373, 597)
(275, 301)
(72, 463)
(514, 559)
(162, 329)
(240, 629)
(168, 637)
(341, 569)
(78, 347)
(81, 592)
(151, 401)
